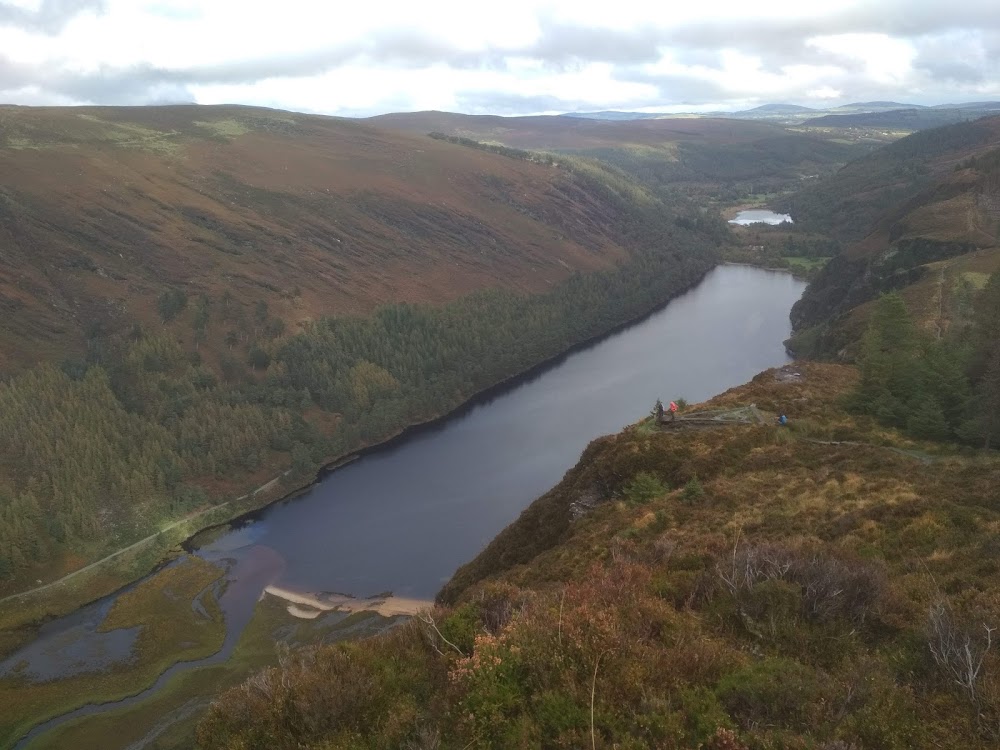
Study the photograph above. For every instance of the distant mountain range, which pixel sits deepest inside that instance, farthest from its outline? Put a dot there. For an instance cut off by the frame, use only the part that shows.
(879, 114)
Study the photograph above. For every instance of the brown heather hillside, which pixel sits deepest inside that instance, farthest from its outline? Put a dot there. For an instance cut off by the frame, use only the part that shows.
(735, 587)
(104, 209)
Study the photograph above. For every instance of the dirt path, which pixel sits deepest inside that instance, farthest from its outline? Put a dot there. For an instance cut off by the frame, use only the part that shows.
(263, 488)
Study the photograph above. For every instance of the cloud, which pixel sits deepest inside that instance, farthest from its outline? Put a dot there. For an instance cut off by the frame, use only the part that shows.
(960, 58)
(51, 15)
(676, 88)
(508, 103)
(529, 59)
(561, 44)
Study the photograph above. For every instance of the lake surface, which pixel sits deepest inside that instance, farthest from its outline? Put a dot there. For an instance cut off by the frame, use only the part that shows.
(760, 216)
(405, 517)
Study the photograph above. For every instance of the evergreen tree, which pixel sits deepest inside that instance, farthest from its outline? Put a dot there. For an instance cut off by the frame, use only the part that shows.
(926, 420)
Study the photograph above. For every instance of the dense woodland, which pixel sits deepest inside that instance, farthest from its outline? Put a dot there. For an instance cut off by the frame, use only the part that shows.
(936, 389)
(100, 452)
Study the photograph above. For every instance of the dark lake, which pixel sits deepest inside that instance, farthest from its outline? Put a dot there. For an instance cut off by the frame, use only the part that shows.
(403, 519)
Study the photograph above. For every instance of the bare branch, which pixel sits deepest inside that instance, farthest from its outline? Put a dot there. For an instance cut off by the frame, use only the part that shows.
(955, 650)
(426, 619)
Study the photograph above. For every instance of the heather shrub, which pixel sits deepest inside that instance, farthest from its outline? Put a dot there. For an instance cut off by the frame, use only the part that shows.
(643, 488)
(774, 691)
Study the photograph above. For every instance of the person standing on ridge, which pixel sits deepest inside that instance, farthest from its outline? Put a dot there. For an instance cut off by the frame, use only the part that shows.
(673, 410)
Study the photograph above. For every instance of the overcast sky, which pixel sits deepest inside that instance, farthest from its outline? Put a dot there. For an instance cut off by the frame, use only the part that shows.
(351, 57)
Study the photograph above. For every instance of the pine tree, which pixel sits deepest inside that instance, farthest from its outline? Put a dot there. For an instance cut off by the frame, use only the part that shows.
(989, 401)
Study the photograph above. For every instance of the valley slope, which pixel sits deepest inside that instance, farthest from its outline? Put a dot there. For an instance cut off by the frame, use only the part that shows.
(727, 587)
(921, 215)
(102, 210)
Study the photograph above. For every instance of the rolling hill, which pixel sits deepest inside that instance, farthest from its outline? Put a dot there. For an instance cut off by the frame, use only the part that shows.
(909, 119)
(847, 204)
(713, 156)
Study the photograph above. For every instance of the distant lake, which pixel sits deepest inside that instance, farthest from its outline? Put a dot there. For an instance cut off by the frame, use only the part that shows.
(760, 216)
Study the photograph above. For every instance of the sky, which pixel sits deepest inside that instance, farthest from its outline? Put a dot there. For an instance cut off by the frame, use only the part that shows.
(357, 58)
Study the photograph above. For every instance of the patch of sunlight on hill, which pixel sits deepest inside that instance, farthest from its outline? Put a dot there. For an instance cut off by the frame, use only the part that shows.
(666, 151)
(20, 144)
(613, 178)
(127, 135)
(226, 129)
(975, 279)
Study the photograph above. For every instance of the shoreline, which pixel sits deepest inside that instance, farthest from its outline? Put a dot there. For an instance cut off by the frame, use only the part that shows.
(789, 271)
(307, 606)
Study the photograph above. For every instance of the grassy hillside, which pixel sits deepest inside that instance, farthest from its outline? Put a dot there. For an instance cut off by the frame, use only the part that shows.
(825, 585)
(201, 301)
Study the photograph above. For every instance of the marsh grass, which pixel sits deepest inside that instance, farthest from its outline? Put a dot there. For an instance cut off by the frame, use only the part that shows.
(171, 631)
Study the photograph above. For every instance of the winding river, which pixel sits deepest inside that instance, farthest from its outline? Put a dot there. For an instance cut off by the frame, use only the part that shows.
(404, 517)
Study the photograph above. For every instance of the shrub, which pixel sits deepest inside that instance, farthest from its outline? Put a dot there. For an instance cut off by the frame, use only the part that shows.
(830, 587)
(460, 627)
(773, 691)
(693, 491)
(643, 488)
(496, 608)
(958, 650)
